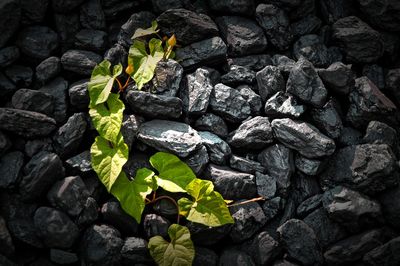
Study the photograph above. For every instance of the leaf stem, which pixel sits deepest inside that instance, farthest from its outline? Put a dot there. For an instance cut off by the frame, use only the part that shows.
(168, 198)
(247, 201)
(119, 84)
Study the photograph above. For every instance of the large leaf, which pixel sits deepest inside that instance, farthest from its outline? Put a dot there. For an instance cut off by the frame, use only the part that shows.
(108, 159)
(174, 175)
(132, 194)
(143, 63)
(207, 207)
(101, 82)
(107, 117)
(146, 32)
(178, 252)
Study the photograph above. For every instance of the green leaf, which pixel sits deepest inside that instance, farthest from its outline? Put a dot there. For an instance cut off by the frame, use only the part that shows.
(101, 82)
(132, 194)
(174, 175)
(178, 252)
(107, 117)
(108, 159)
(146, 32)
(207, 207)
(144, 64)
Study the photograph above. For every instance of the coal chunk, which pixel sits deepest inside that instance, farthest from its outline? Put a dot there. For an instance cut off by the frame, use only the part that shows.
(58, 89)
(198, 160)
(218, 150)
(391, 206)
(338, 77)
(80, 62)
(92, 15)
(19, 75)
(313, 49)
(269, 81)
(385, 17)
(38, 42)
(246, 165)
(10, 14)
(234, 256)
(33, 100)
(134, 250)
(114, 215)
(327, 119)
(385, 254)
(79, 94)
(167, 77)
(91, 40)
(8, 55)
(10, 168)
(141, 19)
(5, 143)
(252, 98)
(238, 75)
(266, 185)
(240, 7)
(253, 62)
(308, 166)
(154, 225)
(212, 123)
(283, 104)
(48, 69)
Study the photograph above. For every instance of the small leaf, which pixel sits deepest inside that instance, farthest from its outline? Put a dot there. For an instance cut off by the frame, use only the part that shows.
(132, 194)
(101, 82)
(172, 41)
(174, 175)
(208, 206)
(146, 32)
(129, 69)
(178, 252)
(107, 117)
(108, 159)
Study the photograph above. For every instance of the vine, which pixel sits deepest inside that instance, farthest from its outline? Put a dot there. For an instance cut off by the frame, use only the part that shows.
(109, 153)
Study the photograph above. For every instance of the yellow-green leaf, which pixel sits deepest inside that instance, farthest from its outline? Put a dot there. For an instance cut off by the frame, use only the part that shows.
(146, 32)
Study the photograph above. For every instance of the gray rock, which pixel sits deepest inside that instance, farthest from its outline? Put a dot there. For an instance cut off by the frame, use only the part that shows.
(313, 49)
(308, 166)
(33, 100)
(154, 106)
(253, 62)
(174, 137)
(92, 15)
(155, 225)
(246, 165)
(266, 185)
(65, 6)
(262, 248)
(48, 69)
(195, 92)
(275, 23)
(327, 119)
(101, 245)
(269, 81)
(135, 251)
(58, 89)
(114, 215)
(117, 54)
(26, 123)
(6, 242)
(380, 133)
(7, 88)
(42, 171)
(368, 168)
(241, 7)
(10, 14)
(63, 257)
(368, 103)
(67, 26)
(304, 83)
(92, 40)
(79, 94)
(272, 207)
(198, 160)
(242, 35)
(209, 51)
(238, 75)
(338, 77)
(306, 25)
(375, 74)
(309, 205)
(231, 184)
(234, 257)
(294, 232)
(36, 145)
(218, 150)
(10, 168)
(229, 104)
(8, 55)
(140, 19)
(37, 42)
(385, 254)
(255, 133)
(252, 98)
(5, 143)
(19, 75)
(212, 123)
(360, 42)
(130, 127)
(80, 62)
(284, 63)
(167, 77)
(80, 164)
(385, 17)
(283, 104)
(55, 228)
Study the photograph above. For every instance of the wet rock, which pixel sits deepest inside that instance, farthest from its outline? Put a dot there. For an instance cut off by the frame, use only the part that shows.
(174, 137)
(134, 250)
(154, 106)
(8, 55)
(245, 165)
(48, 69)
(67, 26)
(19, 75)
(303, 137)
(295, 231)
(229, 104)
(218, 150)
(63, 257)
(327, 119)
(282, 104)
(262, 248)
(238, 75)
(7, 246)
(58, 89)
(92, 15)
(205, 256)
(255, 133)
(5, 143)
(79, 94)
(198, 160)
(209, 51)
(195, 92)
(368, 103)
(368, 168)
(80, 62)
(92, 40)
(235, 257)
(212, 123)
(38, 42)
(338, 77)
(313, 49)
(350, 136)
(305, 84)
(243, 36)
(55, 228)
(114, 215)
(385, 254)
(167, 77)
(269, 81)
(39, 174)
(188, 26)
(252, 98)
(101, 245)
(390, 203)
(26, 123)
(10, 14)
(241, 7)
(249, 218)
(308, 166)
(375, 74)
(275, 23)
(33, 100)
(272, 207)
(309, 205)
(80, 164)
(155, 225)
(36, 145)
(266, 185)
(360, 42)
(141, 19)
(10, 168)
(382, 16)
(253, 62)
(231, 184)
(306, 25)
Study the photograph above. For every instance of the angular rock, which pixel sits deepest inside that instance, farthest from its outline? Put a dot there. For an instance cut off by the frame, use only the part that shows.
(246, 165)
(375, 74)
(205, 256)
(390, 203)
(10, 168)
(65, 5)
(338, 77)
(308, 166)
(160, 6)
(92, 40)
(294, 232)
(130, 127)
(67, 25)
(23, 229)
(238, 75)
(10, 14)
(393, 82)
(80, 164)
(174, 137)
(252, 98)
(58, 89)
(242, 35)
(266, 185)
(114, 215)
(19, 75)
(385, 254)
(235, 257)
(89, 214)
(5, 143)
(154, 106)
(304, 187)
(333, 10)
(253, 62)
(6, 86)
(48, 69)
(350, 136)
(37, 42)
(269, 81)
(63, 257)
(167, 77)
(92, 15)
(241, 7)
(155, 225)
(117, 54)
(284, 63)
(231, 184)
(309, 205)
(306, 25)
(212, 123)
(304, 83)
(327, 119)
(262, 248)
(33, 100)
(313, 49)
(8, 55)
(79, 94)
(80, 62)
(272, 207)
(205, 236)
(135, 251)
(282, 104)
(358, 40)
(380, 133)
(140, 19)
(198, 160)
(36, 145)
(7, 246)
(382, 16)
(218, 150)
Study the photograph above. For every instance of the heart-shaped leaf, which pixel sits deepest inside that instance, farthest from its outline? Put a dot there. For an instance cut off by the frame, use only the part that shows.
(146, 32)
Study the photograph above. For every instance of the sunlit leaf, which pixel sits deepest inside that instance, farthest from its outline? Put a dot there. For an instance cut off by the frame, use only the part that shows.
(146, 32)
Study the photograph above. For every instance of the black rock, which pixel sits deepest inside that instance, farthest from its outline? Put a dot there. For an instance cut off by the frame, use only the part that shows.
(294, 232)
(240, 7)
(23, 229)
(309, 205)
(266, 185)
(303, 187)
(36, 145)
(6, 262)
(65, 5)
(6, 86)
(392, 83)
(5, 143)
(167, 77)
(284, 263)
(10, 168)
(114, 215)
(33, 100)
(42, 171)
(209, 52)
(381, 133)
(389, 201)
(212, 123)
(253, 62)
(305, 84)
(283, 104)
(117, 54)
(350, 136)
(19, 75)
(89, 214)
(55, 228)
(8, 55)
(338, 77)
(255, 133)
(80, 164)
(231, 184)
(262, 248)
(327, 119)
(235, 257)
(130, 127)
(205, 256)
(333, 10)
(101, 245)
(242, 35)
(284, 63)
(48, 69)
(252, 98)
(246, 165)
(299, 9)
(58, 89)
(269, 81)
(154, 106)
(205, 236)
(272, 207)
(238, 75)
(275, 23)
(385, 17)
(219, 151)
(141, 19)
(313, 49)
(92, 15)
(385, 254)
(229, 104)
(7, 245)
(306, 25)
(198, 160)
(10, 14)
(155, 225)
(308, 166)
(375, 74)
(92, 40)
(160, 6)
(33, 12)
(249, 218)
(134, 251)
(26, 123)
(79, 94)
(67, 26)
(80, 62)
(359, 42)
(63, 257)
(68, 137)
(38, 42)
